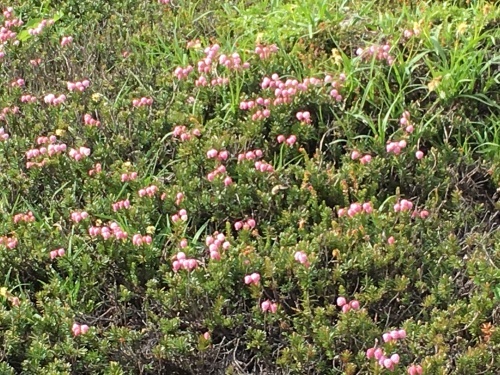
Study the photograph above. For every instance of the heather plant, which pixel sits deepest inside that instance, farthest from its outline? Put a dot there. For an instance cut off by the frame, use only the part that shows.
(241, 187)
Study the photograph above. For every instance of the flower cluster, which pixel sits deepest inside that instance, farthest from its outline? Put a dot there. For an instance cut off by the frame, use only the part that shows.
(9, 242)
(181, 215)
(181, 262)
(8, 110)
(38, 30)
(405, 122)
(378, 52)
(52, 99)
(268, 306)
(356, 208)
(246, 224)
(123, 204)
(27, 217)
(395, 147)
(290, 141)
(347, 306)
(97, 169)
(107, 232)
(215, 243)
(182, 73)
(415, 370)
(17, 83)
(78, 85)
(66, 40)
(265, 52)
(129, 177)
(180, 131)
(88, 120)
(79, 154)
(150, 191)
(76, 216)
(219, 155)
(303, 117)
(57, 253)
(139, 240)
(3, 135)
(250, 155)
(365, 159)
(78, 329)
(403, 205)
(253, 278)
(263, 166)
(28, 98)
(142, 102)
(220, 170)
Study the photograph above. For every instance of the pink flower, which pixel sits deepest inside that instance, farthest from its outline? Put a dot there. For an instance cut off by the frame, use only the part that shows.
(251, 223)
(366, 159)
(212, 153)
(76, 329)
(378, 353)
(395, 358)
(254, 278)
(415, 370)
(419, 155)
(354, 304)
(370, 353)
(341, 301)
(301, 257)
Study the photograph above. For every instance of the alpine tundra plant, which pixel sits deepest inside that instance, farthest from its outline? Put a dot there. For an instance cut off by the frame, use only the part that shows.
(283, 187)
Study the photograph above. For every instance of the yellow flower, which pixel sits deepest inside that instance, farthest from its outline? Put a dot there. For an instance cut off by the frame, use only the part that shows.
(433, 85)
(461, 28)
(150, 230)
(60, 132)
(96, 97)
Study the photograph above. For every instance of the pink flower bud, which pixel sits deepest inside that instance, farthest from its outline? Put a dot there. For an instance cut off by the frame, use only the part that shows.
(370, 353)
(255, 277)
(341, 301)
(84, 329)
(402, 334)
(388, 363)
(395, 358)
(354, 304)
(251, 223)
